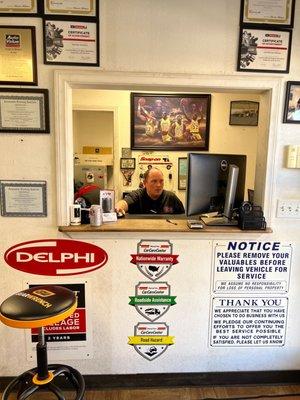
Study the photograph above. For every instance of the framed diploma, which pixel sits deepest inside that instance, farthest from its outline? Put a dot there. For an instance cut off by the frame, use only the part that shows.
(264, 50)
(24, 110)
(18, 55)
(86, 8)
(23, 198)
(73, 42)
(19, 8)
(271, 12)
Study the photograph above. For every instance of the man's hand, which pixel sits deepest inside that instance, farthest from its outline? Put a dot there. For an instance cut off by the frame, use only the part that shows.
(121, 207)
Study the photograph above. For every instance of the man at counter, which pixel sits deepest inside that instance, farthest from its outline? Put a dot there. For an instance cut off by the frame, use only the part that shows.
(152, 198)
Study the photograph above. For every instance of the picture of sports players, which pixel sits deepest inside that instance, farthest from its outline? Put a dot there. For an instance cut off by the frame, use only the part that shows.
(164, 128)
(178, 129)
(170, 121)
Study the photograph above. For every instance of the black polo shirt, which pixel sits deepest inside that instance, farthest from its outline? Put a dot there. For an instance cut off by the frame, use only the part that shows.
(140, 203)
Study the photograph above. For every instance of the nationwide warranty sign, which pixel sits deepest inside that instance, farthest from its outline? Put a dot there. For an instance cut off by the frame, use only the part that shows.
(154, 258)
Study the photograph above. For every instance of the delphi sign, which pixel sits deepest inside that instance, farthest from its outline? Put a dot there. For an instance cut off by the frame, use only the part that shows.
(55, 257)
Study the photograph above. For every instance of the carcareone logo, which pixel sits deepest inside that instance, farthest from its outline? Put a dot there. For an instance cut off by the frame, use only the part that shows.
(56, 257)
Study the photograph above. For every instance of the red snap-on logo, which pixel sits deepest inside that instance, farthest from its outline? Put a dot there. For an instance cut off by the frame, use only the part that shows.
(55, 257)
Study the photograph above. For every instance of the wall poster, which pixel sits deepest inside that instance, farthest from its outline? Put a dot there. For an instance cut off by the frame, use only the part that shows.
(162, 121)
(72, 337)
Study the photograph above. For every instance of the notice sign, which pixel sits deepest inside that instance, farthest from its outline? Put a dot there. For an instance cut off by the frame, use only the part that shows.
(245, 321)
(250, 266)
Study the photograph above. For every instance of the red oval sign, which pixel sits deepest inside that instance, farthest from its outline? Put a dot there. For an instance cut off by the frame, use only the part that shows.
(55, 257)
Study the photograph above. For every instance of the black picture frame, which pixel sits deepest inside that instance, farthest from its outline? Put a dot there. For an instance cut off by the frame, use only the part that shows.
(291, 113)
(60, 49)
(259, 47)
(155, 121)
(26, 102)
(127, 163)
(244, 113)
(15, 205)
(260, 16)
(14, 33)
(33, 10)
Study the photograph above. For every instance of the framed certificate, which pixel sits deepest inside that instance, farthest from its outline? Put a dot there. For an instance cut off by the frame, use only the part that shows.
(73, 42)
(18, 55)
(15, 8)
(86, 8)
(271, 12)
(23, 198)
(264, 50)
(24, 110)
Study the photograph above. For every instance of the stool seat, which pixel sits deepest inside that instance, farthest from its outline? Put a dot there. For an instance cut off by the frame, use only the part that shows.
(38, 306)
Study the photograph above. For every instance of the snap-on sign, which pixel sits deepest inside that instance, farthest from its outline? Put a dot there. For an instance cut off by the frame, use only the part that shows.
(55, 257)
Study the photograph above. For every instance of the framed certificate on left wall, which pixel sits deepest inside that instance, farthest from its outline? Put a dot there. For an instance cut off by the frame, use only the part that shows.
(18, 49)
(24, 110)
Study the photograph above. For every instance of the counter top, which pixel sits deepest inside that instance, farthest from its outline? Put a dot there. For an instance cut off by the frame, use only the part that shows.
(154, 225)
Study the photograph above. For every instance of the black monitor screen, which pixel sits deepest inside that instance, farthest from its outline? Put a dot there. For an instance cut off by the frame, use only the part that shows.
(207, 181)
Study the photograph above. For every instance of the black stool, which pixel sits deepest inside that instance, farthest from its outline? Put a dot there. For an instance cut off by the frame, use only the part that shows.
(35, 308)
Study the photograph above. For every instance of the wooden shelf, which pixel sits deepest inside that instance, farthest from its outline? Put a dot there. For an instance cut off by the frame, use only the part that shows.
(154, 225)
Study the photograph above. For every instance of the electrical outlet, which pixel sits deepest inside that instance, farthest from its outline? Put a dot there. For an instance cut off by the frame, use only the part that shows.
(288, 208)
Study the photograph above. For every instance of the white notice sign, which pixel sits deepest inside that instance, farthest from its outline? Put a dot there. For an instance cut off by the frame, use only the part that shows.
(251, 266)
(248, 322)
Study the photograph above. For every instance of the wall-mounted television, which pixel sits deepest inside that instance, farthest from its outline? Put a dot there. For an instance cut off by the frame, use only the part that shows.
(213, 182)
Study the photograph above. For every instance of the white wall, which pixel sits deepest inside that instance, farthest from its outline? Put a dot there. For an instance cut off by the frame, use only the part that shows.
(92, 128)
(197, 37)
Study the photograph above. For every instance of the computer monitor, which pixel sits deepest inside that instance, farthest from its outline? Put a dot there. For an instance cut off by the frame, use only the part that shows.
(207, 182)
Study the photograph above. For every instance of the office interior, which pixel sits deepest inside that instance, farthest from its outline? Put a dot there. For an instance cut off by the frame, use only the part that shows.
(161, 47)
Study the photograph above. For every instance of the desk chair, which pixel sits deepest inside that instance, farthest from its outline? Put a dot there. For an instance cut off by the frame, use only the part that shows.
(37, 307)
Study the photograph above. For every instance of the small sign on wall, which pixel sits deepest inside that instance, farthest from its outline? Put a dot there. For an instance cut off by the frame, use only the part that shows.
(72, 337)
(248, 322)
(252, 267)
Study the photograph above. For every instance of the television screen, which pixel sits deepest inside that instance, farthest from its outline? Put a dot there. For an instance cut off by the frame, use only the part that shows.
(207, 182)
